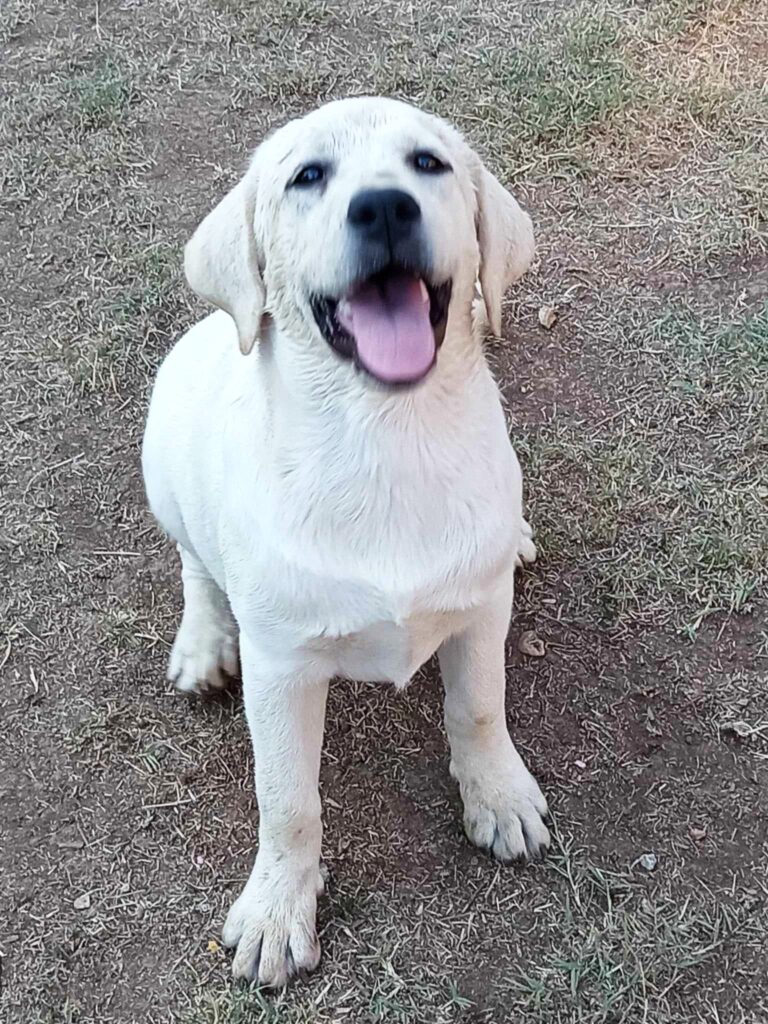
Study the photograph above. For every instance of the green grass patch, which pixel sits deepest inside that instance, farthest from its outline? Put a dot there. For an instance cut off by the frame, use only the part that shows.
(570, 76)
(101, 97)
(665, 512)
(622, 952)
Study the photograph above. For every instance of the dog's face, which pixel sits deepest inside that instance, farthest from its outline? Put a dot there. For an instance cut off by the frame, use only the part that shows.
(366, 211)
(362, 226)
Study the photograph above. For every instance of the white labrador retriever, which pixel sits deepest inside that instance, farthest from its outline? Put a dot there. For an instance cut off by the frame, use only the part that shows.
(331, 457)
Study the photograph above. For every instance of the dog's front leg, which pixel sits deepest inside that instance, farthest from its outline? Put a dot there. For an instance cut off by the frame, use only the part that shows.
(272, 923)
(503, 805)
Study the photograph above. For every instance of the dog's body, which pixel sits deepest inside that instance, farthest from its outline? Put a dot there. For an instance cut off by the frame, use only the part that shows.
(330, 525)
(353, 540)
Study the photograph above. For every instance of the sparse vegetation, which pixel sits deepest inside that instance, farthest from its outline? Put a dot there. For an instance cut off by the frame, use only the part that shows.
(100, 98)
(667, 501)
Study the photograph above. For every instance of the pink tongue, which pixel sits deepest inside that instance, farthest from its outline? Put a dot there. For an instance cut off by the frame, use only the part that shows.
(390, 324)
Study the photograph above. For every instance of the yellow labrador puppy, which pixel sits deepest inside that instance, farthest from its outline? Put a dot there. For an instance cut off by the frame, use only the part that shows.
(330, 454)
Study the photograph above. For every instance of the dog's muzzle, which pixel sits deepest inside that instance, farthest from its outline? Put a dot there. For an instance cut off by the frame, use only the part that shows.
(391, 320)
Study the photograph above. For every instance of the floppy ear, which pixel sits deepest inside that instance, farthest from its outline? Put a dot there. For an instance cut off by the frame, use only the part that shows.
(505, 238)
(221, 263)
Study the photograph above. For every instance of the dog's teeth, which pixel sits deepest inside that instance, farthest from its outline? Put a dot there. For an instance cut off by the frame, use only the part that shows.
(424, 292)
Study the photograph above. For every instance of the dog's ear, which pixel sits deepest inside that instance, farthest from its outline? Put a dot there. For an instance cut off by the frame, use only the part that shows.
(221, 262)
(505, 239)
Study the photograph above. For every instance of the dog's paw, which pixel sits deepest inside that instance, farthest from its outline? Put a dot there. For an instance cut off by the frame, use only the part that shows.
(272, 924)
(526, 549)
(204, 654)
(504, 812)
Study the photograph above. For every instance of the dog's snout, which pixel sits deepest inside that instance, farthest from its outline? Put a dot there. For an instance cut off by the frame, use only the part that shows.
(384, 214)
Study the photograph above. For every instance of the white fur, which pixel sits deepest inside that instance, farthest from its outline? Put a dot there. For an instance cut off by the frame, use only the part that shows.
(343, 529)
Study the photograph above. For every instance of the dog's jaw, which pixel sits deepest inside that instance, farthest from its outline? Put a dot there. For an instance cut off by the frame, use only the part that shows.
(330, 322)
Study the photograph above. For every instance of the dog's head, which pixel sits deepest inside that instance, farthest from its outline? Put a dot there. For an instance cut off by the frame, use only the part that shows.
(369, 221)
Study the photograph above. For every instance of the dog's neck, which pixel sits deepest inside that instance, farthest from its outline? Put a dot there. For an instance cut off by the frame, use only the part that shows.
(391, 475)
(311, 388)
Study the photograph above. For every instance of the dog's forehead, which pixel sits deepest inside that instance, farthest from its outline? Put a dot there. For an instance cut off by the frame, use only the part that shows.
(344, 126)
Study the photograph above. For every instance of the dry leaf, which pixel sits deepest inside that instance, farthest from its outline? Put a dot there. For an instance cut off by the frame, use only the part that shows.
(213, 946)
(698, 833)
(741, 729)
(531, 644)
(547, 317)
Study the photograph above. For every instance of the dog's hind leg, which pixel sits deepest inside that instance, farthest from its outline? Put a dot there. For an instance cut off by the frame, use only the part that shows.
(205, 651)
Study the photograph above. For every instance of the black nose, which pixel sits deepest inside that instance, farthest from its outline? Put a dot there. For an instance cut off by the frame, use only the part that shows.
(384, 214)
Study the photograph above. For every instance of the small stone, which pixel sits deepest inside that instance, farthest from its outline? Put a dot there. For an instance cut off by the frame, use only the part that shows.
(548, 317)
(648, 861)
(698, 833)
(580, 764)
(82, 902)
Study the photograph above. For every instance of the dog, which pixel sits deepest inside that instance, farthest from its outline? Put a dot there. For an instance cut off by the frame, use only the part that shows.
(328, 450)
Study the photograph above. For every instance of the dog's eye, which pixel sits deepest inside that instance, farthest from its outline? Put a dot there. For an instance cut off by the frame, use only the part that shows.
(428, 163)
(312, 174)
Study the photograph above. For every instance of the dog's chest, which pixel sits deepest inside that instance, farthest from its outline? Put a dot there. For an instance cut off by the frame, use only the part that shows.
(390, 651)
(371, 610)
(353, 628)
(363, 558)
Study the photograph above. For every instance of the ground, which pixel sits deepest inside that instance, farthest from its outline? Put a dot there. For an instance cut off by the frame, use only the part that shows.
(635, 133)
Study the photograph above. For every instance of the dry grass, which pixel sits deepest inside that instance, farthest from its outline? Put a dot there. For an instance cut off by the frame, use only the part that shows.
(637, 135)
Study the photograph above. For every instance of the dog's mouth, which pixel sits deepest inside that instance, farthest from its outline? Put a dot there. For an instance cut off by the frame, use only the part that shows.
(391, 324)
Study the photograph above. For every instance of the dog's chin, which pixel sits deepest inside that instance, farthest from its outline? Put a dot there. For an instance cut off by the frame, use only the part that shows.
(335, 319)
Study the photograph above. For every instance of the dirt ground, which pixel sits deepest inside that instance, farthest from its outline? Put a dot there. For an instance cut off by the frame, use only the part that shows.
(636, 134)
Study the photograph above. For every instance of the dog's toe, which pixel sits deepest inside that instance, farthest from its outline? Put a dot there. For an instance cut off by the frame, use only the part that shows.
(526, 549)
(506, 816)
(202, 661)
(274, 932)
